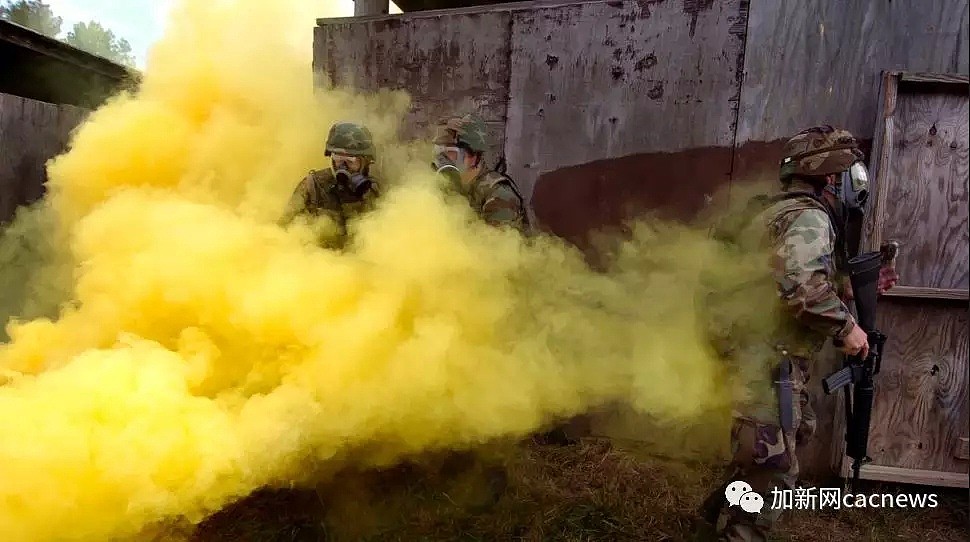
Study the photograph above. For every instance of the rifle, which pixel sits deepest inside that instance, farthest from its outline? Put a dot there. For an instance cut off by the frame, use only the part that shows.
(856, 370)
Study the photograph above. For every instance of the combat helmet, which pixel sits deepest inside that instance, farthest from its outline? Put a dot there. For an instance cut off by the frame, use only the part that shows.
(350, 138)
(820, 150)
(466, 130)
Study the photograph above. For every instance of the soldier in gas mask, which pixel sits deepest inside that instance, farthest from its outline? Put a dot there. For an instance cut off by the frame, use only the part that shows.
(346, 188)
(458, 153)
(806, 230)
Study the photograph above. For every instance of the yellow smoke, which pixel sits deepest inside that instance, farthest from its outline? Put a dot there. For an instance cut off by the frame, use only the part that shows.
(206, 352)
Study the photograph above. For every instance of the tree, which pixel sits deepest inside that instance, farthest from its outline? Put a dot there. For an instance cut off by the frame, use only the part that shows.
(96, 39)
(33, 14)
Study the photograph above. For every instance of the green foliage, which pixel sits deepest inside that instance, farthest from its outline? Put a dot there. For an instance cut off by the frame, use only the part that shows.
(33, 14)
(98, 40)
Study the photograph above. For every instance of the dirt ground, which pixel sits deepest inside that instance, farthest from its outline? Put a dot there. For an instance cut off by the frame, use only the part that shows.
(586, 492)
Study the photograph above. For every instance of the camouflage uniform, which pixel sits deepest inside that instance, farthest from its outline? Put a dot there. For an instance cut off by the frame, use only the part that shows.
(802, 240)
(493, 195)
(320, 192)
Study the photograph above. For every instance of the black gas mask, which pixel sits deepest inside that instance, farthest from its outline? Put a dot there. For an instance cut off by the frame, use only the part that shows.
(351, 173)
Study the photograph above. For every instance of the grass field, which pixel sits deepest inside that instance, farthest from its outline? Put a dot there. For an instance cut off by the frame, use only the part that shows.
(586, 492)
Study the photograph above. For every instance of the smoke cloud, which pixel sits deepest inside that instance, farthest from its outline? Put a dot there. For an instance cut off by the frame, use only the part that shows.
(198, 351)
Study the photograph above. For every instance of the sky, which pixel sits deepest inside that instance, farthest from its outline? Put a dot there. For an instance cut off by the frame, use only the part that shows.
(141, 22)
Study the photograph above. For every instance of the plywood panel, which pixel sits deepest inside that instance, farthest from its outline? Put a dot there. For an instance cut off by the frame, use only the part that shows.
(446, 63)
(606, 80)
(31, 132)
(817, 62)
(921, 406)
(925, 196)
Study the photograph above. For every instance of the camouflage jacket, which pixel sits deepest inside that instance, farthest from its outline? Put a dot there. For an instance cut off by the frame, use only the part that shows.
(798, 291)
(802, 244)
(319, 193)
(496, 199)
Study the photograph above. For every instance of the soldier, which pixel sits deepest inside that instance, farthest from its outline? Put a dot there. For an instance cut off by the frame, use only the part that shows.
(344, 190)
(459, 150)
(824, 182)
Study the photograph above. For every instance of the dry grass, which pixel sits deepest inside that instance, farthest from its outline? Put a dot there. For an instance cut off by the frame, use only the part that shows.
(586, 492)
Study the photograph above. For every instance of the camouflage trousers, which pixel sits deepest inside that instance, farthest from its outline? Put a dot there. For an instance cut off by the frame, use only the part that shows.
(764, 457)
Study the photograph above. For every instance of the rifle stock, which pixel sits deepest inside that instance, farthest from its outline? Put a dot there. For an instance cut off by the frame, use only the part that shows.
(857, 370)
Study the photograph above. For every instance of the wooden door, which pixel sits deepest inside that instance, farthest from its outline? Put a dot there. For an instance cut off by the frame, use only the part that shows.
(920, 420)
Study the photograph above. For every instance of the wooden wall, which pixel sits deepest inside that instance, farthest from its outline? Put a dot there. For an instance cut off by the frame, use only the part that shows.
(619, 107)
(921, 416)
(819, 62)
(583, 98)
(447, 63)
(610, 108)
(31, 132)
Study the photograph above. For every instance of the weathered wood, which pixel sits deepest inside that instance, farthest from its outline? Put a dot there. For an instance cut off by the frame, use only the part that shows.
(944, 78)
(920, 198)
(962, 451)
(605, 80)
(883, 473)
(42, 68)
(543, 73)
(929, 293)
(486, 7)
(371, 7)
(31, 133)
(446, 63)
(925, 195)
(880, 158)
(809, 63)
(921, 403)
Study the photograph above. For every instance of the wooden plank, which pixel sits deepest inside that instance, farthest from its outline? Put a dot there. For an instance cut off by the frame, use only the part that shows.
(496, 7)
(809, 63)
(371, 7)
(883, 473)
(825, 45)
(447, 64)
(945, 78)
(600, 81)
(928, 293)
(31, 132)
(921, 402)
(924, 201)
(882, 155)
(962, 451)
(51, 48)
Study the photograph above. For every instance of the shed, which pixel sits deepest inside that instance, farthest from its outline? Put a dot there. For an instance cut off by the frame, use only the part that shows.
(46, 89)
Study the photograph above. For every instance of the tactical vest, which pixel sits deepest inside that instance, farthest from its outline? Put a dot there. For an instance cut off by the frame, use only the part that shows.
(326, 194)
(720, 304)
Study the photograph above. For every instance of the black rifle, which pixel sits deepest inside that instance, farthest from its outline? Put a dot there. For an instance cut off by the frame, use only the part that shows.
(857, 370)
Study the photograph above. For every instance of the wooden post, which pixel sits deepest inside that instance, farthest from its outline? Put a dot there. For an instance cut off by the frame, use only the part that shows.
(371, 7)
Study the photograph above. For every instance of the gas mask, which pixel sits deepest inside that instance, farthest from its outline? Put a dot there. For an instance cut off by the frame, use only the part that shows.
(854, 188)
(349, 171)
(448, 161)
(852, 193)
